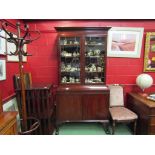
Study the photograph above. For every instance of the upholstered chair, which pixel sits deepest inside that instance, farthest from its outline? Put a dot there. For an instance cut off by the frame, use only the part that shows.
(117, 110)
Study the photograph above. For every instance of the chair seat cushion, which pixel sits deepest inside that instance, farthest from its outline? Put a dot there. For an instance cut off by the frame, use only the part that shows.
(122, 114)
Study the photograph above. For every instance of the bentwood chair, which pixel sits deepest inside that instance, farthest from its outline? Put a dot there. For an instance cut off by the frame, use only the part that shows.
(117, 110)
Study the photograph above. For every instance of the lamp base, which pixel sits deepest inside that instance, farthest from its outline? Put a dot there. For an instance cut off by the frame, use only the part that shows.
(143, 94)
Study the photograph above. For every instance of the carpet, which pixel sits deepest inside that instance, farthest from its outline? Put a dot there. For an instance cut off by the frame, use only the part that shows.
(90, 129)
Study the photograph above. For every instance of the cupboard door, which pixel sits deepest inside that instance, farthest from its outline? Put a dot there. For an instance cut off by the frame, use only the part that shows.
(69, 107)
(95, 52)
(95, 107)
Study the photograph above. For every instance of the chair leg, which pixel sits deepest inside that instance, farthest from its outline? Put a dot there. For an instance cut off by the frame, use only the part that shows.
(106, 128)
(134, 129)
(57, 131)
(113, 127)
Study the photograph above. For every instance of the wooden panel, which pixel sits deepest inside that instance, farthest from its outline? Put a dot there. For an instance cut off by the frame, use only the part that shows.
(152, 111)
(82, 103)
(8, 124)
(95, 107)
(11, 129)
(69, 107)
(151, 130)
(152, 120)
(83, 89)
(82, 28)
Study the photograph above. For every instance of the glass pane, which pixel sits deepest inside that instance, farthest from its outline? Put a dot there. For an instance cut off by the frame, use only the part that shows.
(70, 59)
(94, 59)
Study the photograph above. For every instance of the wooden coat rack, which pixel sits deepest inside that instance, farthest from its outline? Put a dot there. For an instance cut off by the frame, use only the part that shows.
(19, 42)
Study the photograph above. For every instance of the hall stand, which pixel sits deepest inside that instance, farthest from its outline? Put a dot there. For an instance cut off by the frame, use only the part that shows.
(19, 41)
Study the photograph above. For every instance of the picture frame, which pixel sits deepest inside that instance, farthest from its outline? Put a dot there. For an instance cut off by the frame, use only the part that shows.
(2, 43)
(149, 54)
(125, 42)
(12, 48)
(2, 69)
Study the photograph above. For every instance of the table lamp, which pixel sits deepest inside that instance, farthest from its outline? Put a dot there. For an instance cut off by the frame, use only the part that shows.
(144, 81)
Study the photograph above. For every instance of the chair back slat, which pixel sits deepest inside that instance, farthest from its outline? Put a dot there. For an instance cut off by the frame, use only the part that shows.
(27, 80)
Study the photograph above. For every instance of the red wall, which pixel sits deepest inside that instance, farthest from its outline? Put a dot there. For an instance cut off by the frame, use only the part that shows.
(44, 63)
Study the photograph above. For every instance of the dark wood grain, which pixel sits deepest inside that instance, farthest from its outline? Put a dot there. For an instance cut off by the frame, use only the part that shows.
(82, 28)
(95, 106)
(83, 89)
(69, 107)
(82, 103)
(8, 123)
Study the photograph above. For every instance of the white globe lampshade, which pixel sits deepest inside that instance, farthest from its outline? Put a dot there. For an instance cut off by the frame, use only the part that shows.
(144, 81)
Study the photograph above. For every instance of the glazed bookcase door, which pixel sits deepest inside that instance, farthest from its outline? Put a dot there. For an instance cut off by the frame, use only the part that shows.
(95, 52)
(70, 63)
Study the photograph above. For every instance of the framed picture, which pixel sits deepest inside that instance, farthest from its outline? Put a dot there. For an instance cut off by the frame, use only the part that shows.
(124, 42)
(149, 57)
(2, 43)
(12, 48)
(2, 69)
